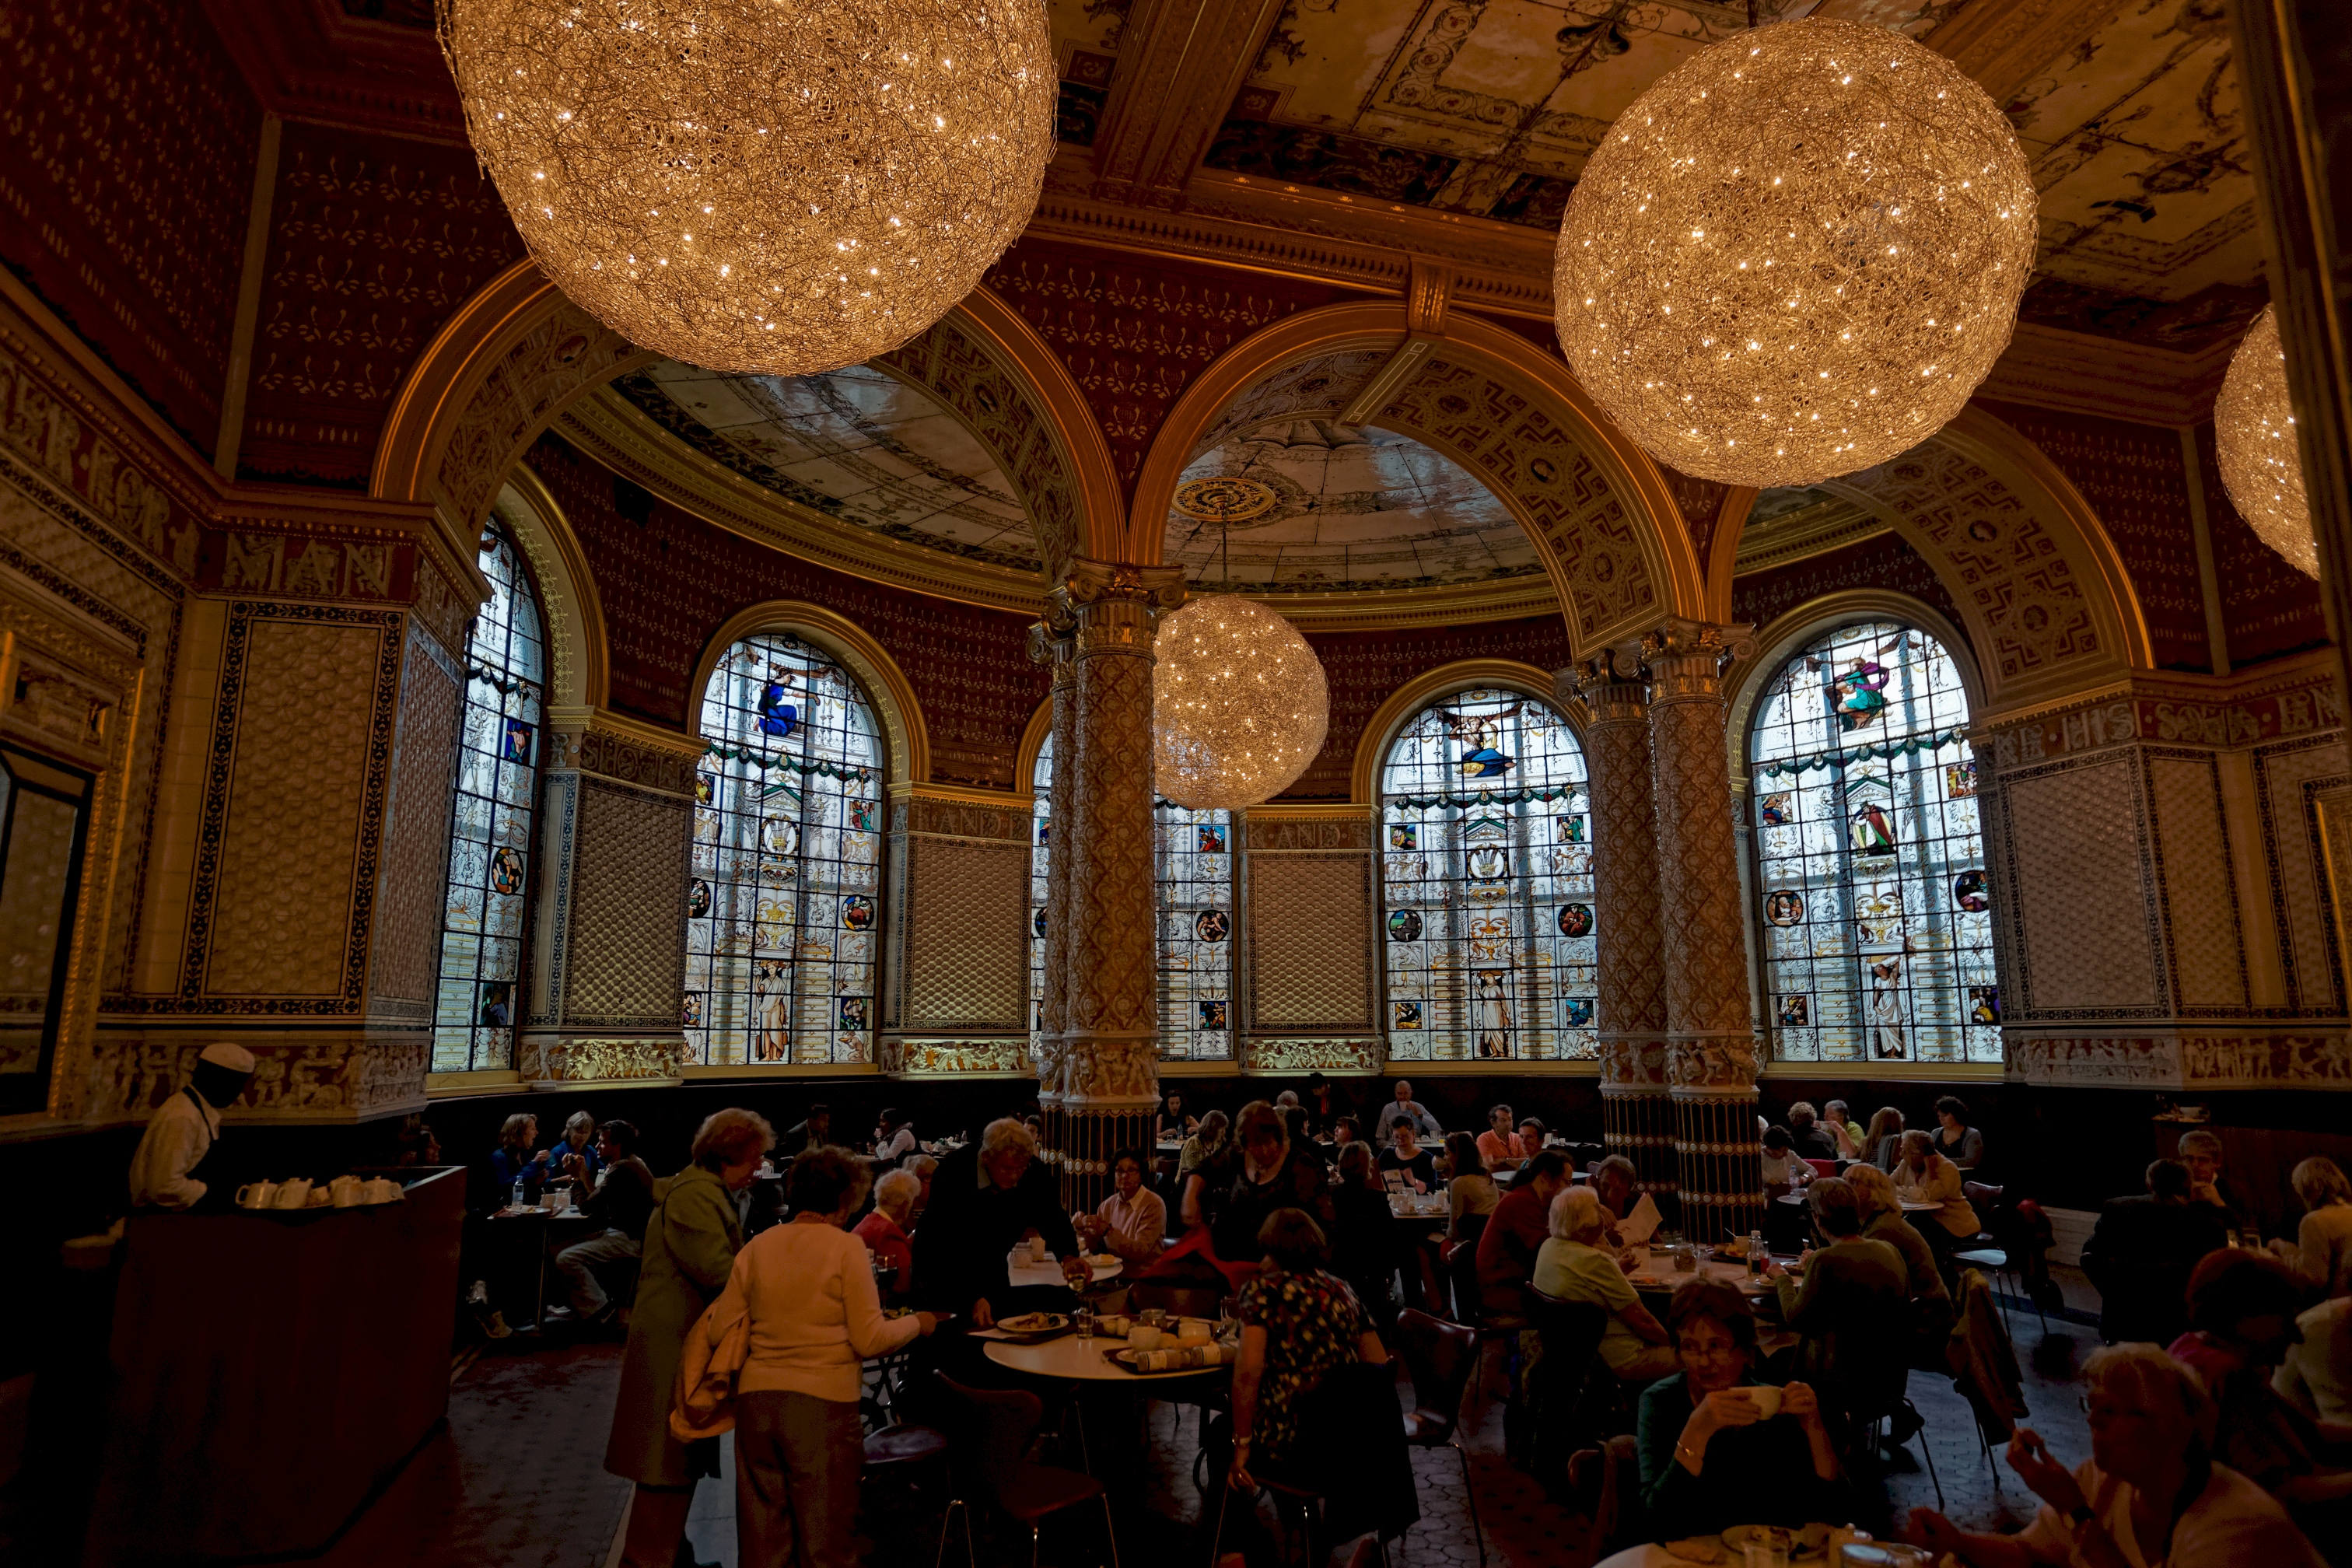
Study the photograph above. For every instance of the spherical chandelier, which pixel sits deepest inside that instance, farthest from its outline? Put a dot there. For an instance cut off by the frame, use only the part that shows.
(1238, 704)
(762, 186)
(2253, 436)
(1796, 255)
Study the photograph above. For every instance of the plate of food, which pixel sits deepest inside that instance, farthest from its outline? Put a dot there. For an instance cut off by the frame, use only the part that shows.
(1805, 1545)
(1704, 1549)
(1033, 1326)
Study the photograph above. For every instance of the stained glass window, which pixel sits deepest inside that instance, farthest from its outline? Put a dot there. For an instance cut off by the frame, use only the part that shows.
(490, 849)
(1871, 886)
(784, 902)
(1487, 884)
(1192, 867)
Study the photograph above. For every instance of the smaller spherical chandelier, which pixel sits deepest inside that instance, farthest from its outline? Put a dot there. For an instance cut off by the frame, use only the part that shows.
(1238, 704)
(1796, 255)
(775, 187)
(2254, 436)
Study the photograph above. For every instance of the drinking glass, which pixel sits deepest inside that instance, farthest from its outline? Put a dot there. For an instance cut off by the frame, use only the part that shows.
(1765, 1548)
(1086, 1324)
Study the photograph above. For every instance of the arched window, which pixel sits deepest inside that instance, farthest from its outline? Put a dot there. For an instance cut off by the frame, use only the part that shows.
(1486, 878)
(482, 918)
(1192, 874)
(784, 908)
(1870, 870)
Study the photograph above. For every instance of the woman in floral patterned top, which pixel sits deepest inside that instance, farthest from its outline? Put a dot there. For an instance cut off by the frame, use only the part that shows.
(1298, 1322)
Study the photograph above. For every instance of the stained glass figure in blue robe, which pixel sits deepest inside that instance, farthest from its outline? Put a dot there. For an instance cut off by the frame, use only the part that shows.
(778, 714)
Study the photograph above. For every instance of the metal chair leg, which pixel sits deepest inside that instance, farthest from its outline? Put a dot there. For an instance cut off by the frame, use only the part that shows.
(947, 1514)
(1470, 1496)
(1927, 1453)
(1110, 1532)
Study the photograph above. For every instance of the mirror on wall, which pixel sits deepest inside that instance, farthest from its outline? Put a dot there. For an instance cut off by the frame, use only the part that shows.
(44, 811)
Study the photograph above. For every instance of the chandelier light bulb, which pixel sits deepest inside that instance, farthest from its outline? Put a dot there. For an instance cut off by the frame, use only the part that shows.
(1796, 255)
(1239, 704)
(2254, 438)
(777, 187)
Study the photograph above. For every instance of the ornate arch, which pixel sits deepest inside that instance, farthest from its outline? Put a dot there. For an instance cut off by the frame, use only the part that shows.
(1600, 511)
(579, 666)
(906, 739)
(518, 353)
(1401, 705)
(1034, 736)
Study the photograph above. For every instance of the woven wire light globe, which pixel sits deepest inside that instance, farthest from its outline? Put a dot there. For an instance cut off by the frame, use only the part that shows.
(763, 186)
(1238, 704)
(2253, 436)
(1796, 255)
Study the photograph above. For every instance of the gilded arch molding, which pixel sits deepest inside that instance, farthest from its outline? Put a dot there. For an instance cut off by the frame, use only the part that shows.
(1034, 736)
(1599, 510)
(581, 668)
(1397, 709)
(905, 739)
(518, 354)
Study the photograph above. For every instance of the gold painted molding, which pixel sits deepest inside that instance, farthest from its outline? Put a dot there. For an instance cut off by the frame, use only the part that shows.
(571, 600)
(1372, 742)
(1034, 736)
(905, 739)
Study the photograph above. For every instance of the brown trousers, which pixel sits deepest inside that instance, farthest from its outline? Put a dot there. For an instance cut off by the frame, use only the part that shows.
(797, 1463)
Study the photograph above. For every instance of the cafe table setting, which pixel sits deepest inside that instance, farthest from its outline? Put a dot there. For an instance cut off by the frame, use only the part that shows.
(1815, 1545)
(1113, 1347)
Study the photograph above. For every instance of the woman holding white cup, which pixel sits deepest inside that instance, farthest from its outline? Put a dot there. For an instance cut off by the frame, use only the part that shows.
(1720, 1449)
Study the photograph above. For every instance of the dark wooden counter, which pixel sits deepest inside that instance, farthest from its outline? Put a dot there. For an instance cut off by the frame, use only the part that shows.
(272, 1371)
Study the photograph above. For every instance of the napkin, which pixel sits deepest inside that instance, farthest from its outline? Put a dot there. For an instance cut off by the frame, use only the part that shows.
(1184, 1356)
(1636, 1229)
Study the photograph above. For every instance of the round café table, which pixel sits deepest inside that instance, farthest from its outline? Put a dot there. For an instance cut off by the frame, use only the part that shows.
(1074, 1360)
(1649, 1554)
(1050, 1271)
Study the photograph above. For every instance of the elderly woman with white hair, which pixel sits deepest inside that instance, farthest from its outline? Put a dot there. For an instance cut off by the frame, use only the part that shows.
(2149, 1494)
(1575, 1265)
(986, 1197)
(884, 1231)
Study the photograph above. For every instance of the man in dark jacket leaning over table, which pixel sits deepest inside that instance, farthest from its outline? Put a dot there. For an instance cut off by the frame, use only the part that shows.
(985, 1197)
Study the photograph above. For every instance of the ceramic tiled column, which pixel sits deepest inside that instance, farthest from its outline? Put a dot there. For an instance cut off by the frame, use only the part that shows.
(1710, 1037)
(1637, 1115)
(1051, 641)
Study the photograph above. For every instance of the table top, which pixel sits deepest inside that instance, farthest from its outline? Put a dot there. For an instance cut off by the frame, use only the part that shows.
(1657, 1273)
(1418, 1207)
(1050, 1272)
(1649, 1554)
(1078, 1359)
(1796, 1200)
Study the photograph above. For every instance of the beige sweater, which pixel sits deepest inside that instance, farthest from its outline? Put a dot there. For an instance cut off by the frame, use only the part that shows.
(809, 1292)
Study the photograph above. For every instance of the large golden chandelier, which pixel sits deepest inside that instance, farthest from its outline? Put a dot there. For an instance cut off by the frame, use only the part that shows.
(1239, 704)
(1796, 255)
(2253, 436)
(763, 186)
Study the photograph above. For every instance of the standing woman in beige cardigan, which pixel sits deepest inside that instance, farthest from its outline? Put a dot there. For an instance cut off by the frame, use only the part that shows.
(690, 1245)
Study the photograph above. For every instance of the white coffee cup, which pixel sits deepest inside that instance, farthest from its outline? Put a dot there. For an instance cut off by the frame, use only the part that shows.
(294, 1193)
(347, 1192)
(1767, 1400)
(256, 1195)
(1036, 1249)
(382, 1190)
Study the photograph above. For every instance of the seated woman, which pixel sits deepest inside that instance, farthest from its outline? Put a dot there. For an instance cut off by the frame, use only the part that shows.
(1882, 1220)
(1784, 1169)
(894, 1135)
(1405, 1153)
(575, 1154)
(1956, 1141)
(1850, 1300)
(1272, 1177)
(2149, 1493)
(1574, 1267)
(1469, 1190)
(2321, 1251)
(1717, 1449)
(512, 1161)
(1346, 1130)
(1133, 1221)
(1299, 1323)
(884, 1231)
(1172, 1122)
(1882, 1142)
(1927, 1177)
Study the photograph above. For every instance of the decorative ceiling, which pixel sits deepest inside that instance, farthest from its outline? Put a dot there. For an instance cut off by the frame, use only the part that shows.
(858, 446)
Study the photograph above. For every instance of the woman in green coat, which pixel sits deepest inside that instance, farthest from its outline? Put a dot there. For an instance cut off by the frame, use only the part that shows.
(690, 1250)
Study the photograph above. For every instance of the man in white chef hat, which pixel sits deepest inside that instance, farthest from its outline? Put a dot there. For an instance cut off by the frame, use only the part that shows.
(168, 1171)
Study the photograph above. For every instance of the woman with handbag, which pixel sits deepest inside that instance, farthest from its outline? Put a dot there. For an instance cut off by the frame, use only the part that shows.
(807, 1291)
(691, 1241)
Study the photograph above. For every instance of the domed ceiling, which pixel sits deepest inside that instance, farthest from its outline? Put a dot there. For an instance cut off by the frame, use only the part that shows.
(858, 445)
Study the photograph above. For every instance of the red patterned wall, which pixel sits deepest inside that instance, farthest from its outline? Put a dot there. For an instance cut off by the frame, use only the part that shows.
(1884, 562)
(1135, 332)
(2134, 479)
(1364, 668)
(667, 583)
(2270, 607)
(127, 177)
(373, 243)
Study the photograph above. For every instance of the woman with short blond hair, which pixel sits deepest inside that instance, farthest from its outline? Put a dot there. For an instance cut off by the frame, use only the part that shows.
(2321, 1251)
(1575, 1266)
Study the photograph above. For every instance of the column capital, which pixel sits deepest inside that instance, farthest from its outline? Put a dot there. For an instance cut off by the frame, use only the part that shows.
(1053, 640)
(1687, 659)
(1087, 584)
(1611, 683)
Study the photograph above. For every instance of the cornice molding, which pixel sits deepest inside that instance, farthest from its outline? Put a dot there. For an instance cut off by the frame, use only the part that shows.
(1816, 530)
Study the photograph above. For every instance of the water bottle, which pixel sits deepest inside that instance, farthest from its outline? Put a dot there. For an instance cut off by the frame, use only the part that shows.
(518, 1193)
(1756, 1252)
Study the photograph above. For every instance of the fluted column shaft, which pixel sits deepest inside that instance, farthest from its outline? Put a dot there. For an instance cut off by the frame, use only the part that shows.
(1109, 1041)
(1710, 1032)
(1637, 1117)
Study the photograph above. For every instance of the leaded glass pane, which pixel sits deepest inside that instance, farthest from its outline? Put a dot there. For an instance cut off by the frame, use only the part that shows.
(490, 849)
(1041, 849)
(1871, 884)
(784, 902)
(1487, 883)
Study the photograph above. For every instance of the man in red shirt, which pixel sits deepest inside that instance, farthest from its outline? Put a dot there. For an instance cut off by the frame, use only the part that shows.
(1521, 1223)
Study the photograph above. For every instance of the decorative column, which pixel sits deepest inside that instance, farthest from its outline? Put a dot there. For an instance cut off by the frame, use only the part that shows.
(1053, 641)
(1710, 1029)
(1108, 1049)
(1637, 1115)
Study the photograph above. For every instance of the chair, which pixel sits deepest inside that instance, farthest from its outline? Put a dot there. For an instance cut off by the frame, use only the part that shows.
(995, 1446)
(896, 1450)
(1871, 1382)
(1440, 1356)
(1576, 1397)
(2000, 1247)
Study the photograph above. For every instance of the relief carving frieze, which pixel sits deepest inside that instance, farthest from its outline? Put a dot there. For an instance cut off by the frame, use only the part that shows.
(329, 1077)
(1285, 1054)
(558, 1058)
(995, 1058)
